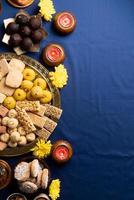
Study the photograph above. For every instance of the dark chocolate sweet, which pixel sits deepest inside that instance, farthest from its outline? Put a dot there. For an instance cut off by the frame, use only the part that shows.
(25, 31)
(37, 35)
(12, 28)
(53, 54)
(35, 22)
(15, 40)
(22, 19)
(62, 151)
(64, 22)
(26, 44)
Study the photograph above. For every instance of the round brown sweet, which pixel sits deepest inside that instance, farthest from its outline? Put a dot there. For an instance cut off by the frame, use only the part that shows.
(53, 55)
(25, 31)
(37, 35)
(35, 22)
(15, 40)
(62, 151)
(22, 19)
(26, 44)
(12, 28)
(64, 22)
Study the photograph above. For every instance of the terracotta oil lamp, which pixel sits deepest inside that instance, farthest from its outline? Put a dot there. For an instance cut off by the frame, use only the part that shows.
(53, 55)
(5, 174)
(20, 3)
(62, 151)
(64, 22)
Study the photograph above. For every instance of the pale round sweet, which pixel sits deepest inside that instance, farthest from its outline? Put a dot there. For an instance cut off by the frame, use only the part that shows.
(12, 144)
(12, 113)
(11, 130)
(35, 168)
(22, 171)
(30, 137)
(15, 137)
(5, 137)
(28, 187)
(5, 121)
(12, 123)
(21, 131)
(23, 141)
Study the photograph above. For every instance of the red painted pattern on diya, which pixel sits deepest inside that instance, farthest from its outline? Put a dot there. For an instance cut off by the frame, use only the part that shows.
(53, 54)
(65, 22)
(62, 151)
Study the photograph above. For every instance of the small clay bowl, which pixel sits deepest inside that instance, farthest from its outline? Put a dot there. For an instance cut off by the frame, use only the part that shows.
(14, 195)
(16, 5)
(42, 197)
(64, 22)
(5, 174)
(62, 151)
(53, 55)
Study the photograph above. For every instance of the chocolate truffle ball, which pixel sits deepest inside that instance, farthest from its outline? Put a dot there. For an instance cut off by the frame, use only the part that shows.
(15, 40)
(35, 22)
(25, 31)
(12, 28)
(22, 19)
(64, 22)
(26, 44)
(37, 35)
(53, 55)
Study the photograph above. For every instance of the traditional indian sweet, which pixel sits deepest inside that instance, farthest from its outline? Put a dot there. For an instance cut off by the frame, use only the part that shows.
(24, 114)
(31, 176)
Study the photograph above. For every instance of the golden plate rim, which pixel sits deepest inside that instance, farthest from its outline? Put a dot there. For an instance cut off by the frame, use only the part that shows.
(17, 151)
(19, 6)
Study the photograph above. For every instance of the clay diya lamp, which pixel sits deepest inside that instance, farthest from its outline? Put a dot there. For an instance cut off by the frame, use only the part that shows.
(16, 196)
(20, 3)
(53, 55)
(42, 197)
(5, 174)
(64, 22)
(62, 151)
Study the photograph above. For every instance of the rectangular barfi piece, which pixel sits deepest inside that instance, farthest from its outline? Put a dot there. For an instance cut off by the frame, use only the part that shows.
(41, 111)
(3, 111)
(14, 78)
(4, 68)
(8, 91)
(37, 121)
(43, 133)
(2, 129)
(2, 146)
(43, 122)
(17, 64)
(2, 97)
(52, 111)
(25, 120)
(31, 106)
(50, 125)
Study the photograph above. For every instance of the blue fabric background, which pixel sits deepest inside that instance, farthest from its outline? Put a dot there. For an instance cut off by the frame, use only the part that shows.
(98, 101)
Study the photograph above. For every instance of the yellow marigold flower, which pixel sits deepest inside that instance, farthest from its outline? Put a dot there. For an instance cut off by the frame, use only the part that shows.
(47, 9)
(59, 78)
(54, 189)
(42, 149)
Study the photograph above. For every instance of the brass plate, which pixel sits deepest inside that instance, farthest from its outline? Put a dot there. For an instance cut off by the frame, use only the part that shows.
(19, 6)
(56, 101)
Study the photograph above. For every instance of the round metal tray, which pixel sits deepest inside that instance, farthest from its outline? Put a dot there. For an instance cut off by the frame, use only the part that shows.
(56, 101)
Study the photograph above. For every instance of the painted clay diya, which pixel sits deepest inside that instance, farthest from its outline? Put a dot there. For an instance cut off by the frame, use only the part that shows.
(62, 151)
(20, 3)
(64, 22)
(53, 55)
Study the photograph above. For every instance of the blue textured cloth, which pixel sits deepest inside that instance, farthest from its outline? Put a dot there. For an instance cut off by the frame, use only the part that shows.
(98, 102)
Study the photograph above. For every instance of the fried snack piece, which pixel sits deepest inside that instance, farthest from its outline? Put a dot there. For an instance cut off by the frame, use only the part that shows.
(25, 120)
(22, 171)
(32, 106)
